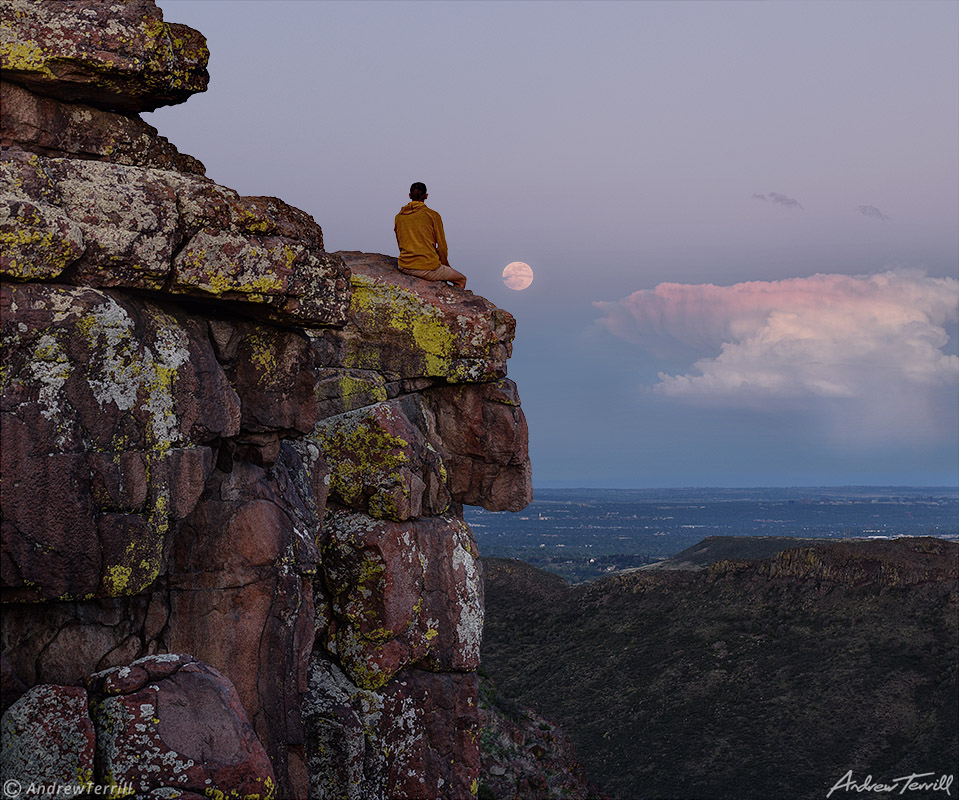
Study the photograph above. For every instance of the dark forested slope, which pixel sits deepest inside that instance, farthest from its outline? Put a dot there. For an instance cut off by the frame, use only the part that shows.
(749, 679)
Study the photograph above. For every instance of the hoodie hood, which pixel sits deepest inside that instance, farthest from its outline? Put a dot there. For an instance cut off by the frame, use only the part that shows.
(412, 207)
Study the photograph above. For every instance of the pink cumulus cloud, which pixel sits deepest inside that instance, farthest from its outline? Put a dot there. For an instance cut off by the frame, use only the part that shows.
(824, 336)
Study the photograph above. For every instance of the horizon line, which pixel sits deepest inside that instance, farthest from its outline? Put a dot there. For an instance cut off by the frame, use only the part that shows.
(917, 486)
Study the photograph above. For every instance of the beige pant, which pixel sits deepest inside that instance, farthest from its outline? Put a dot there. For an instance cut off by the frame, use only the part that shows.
(441, 273)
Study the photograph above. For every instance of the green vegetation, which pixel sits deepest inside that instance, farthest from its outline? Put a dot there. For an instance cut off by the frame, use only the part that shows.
(573, 564)
(740, 680)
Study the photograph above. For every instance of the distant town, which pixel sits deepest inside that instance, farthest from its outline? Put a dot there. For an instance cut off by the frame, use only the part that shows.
(582, 534)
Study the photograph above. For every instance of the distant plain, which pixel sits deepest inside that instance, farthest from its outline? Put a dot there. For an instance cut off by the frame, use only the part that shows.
(582, 534)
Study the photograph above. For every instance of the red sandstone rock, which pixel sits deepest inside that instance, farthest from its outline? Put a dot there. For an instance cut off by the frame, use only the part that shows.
(240, 594)
(56, 129)
(40, 241)
(381, 463)
(128, 216)
(402, 594)
(120, 57)
(431, 721)
(339, 390)
(61, 643)
(485, 444)
(140, 228)
(417, 738)
(184, 729)
(48, 738)
(165, 477)
(271, 370)
(104, 401)
(405, 327)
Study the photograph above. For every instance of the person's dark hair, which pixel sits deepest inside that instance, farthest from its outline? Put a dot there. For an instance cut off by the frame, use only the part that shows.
(418, 191)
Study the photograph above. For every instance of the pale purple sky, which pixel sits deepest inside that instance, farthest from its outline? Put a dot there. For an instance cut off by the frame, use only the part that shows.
(789, 169)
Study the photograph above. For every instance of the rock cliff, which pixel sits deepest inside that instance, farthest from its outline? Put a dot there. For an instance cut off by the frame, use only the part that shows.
(233, 555)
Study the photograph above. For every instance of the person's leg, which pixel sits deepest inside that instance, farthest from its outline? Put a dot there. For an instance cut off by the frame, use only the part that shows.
(441, 273)
(457, 278)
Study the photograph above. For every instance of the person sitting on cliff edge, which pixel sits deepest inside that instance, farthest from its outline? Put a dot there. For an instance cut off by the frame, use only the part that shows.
(419, 234)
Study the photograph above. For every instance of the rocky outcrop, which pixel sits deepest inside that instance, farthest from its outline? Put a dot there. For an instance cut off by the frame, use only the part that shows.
(234, 464)
(106, 225)
(74, 130)
(120, 57)
(168, 725)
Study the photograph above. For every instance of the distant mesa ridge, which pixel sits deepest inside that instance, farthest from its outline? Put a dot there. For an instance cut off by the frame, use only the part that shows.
(715, 550)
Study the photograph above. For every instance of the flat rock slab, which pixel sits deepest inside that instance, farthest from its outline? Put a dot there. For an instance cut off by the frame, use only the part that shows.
(117, 56)
(406, 327)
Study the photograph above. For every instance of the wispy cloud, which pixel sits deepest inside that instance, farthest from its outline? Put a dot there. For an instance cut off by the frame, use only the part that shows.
(782, 200)
(873, 341)
(872, 211)
(778, 199)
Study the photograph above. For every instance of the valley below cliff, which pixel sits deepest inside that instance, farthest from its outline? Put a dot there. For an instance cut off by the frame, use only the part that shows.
(770, 677)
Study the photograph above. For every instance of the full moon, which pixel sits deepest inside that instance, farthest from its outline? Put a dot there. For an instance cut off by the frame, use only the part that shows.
(518, 275)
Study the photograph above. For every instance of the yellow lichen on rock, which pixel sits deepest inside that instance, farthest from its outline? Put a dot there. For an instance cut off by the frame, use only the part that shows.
(390, 306)
(361, 453)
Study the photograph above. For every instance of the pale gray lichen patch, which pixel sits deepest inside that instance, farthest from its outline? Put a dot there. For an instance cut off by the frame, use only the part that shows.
(49, 368)
(338, 747)
(469, 625)
(108, 328)
(130, 747)
(128, 215)
(48, 737)
(126, 373)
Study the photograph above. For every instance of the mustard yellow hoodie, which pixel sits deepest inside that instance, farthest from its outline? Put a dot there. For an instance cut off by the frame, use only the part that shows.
(419, 234)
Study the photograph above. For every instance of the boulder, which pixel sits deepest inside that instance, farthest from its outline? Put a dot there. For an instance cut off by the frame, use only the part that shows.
(56, 129)
(140, 228)
(118, 57)
(48, 738)
(39, 241)
(401, 594)
(381, 463)
(127, 216)
(174, 723)
(404, 327)
(293, 280)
